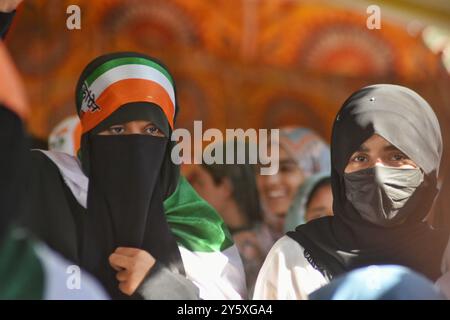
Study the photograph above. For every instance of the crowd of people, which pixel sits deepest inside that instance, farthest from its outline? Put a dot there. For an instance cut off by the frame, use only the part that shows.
(345, 221)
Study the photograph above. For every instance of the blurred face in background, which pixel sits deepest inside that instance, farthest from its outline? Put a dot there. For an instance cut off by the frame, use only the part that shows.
(203, 183)
(278, 191)
(320, 203)
(219, 195)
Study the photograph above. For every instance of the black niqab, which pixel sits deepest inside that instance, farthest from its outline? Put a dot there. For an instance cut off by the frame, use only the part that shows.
(125, 204)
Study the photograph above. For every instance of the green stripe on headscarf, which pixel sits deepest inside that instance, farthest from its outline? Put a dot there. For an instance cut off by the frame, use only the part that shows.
(21, 272)
(195, 224)
(126, 61)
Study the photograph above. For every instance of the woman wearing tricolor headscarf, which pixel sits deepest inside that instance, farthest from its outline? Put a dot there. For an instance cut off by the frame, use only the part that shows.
(28, 268)
(302, 153)
(121, 209)
(386, 151)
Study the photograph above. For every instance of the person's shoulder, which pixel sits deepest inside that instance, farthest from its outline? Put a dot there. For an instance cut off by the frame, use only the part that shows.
(38, 155)
(40, 161)
(53, 157)
(284, 272)
(288, 253)
(287, 244)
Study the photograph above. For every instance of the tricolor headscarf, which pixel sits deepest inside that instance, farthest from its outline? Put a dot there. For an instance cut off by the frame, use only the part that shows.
(114, 80)
(125, 86)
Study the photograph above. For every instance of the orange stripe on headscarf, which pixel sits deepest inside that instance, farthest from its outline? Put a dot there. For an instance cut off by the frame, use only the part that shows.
(12, 92)
(127, 91)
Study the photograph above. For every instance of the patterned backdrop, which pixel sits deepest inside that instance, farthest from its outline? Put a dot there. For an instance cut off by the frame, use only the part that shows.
(236, 63)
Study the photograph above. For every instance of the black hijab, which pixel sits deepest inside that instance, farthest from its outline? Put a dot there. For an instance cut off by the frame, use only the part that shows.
(346, 241)
(129, 178)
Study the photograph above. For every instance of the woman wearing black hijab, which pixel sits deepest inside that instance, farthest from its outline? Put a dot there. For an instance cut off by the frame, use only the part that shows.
(386, 149)
(121, 210)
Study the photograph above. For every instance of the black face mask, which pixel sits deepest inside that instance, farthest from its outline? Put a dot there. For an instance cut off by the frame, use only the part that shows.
(379, 194)
(125, 204)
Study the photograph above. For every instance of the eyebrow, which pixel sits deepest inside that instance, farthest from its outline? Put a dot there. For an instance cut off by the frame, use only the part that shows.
(362, 148)
(391, 148)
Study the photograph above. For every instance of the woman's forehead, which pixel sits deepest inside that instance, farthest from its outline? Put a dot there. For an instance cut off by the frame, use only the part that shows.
(135, 122)
(376, 142)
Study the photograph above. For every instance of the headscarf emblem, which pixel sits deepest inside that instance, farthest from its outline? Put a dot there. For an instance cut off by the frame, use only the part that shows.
(88, 103)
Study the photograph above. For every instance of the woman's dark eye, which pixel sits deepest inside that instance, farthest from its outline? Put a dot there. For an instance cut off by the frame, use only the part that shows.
(399, 157)
(359, 158)
(153, 130)
(116, 130)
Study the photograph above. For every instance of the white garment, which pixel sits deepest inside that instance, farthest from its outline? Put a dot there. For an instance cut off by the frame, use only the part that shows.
(218, 275)
(63, 137)
(443, 283)
(58, 272)
(445, 266)
(286, 274)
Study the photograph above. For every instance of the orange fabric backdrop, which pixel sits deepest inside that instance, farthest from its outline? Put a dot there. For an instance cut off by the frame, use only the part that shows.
(240, 63)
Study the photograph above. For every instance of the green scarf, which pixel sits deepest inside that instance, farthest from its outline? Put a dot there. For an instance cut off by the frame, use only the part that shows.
(21, 272)
(195, 224)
